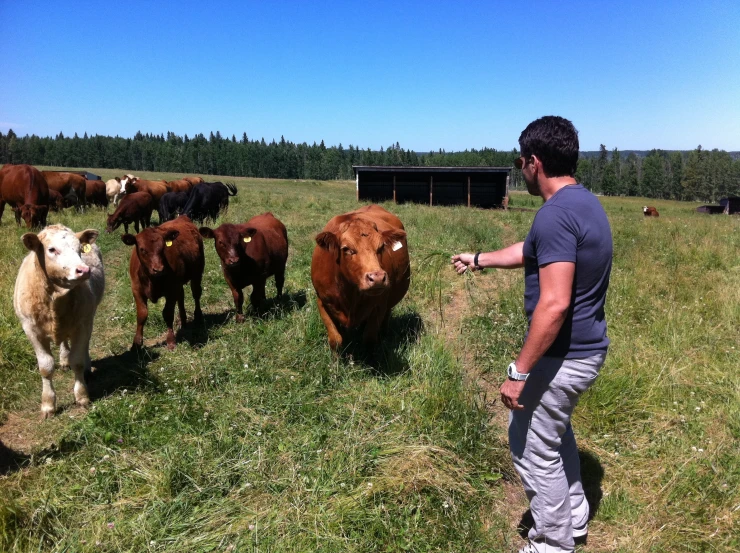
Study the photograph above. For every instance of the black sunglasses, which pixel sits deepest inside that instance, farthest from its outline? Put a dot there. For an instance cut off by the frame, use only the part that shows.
(519, 162)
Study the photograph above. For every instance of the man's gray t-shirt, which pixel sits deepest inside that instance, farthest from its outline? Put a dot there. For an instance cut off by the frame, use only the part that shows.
(572, 226)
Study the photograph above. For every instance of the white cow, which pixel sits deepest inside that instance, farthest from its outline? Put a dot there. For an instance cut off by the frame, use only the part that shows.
(58, 289)
(116, 187)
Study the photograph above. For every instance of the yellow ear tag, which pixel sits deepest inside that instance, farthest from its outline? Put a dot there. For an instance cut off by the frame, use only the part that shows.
(168, 243)
(86, 248)
(247, 238)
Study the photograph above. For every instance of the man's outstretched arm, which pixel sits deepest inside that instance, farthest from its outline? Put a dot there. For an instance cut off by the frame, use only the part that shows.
(511, 257)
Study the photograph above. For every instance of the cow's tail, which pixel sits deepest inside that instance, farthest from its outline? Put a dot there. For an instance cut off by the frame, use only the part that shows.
(231, 188)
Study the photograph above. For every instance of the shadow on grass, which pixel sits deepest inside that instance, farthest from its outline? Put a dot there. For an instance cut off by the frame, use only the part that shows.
(11, 460)
(277, 308)
(125, 370)
(592, 473)
(386, 358)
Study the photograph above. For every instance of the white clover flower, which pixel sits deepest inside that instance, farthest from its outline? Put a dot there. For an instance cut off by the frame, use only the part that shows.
(445, 505)
(700, 450)
(342, 485)
(106, 457)
(693, 448)
(93, 470)
(697, 408)
(369, 485)
(251, 526)
(259, 433)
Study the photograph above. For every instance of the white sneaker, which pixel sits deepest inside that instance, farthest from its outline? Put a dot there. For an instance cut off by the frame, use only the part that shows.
(580, 532)
(533, 547)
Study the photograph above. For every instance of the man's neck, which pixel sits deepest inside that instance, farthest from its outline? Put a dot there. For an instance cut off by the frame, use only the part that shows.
(549, 186)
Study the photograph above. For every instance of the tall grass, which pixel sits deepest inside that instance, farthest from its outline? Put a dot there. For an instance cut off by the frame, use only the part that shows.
(251, 437)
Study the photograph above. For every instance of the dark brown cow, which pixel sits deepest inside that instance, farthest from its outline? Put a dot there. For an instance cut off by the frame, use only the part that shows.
(56, 201)
(133, 208)
(180, 185)
(25, 189)
(360, 269)
(157, 188)
(95, 193)
(194, 180)
(164, 260)
(250, 253)
(650, 212)
(64, 182)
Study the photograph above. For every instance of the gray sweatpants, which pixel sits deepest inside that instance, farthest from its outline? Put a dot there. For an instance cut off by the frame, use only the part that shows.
(544, 451)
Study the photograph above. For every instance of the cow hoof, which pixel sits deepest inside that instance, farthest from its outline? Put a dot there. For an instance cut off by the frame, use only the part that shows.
(171, 346)
(84, 402)
(239, 318)
(64, 367)
(46, 414)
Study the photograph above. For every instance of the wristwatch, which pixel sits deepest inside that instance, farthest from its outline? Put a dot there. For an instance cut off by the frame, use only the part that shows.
(512, 373)
(475, 262)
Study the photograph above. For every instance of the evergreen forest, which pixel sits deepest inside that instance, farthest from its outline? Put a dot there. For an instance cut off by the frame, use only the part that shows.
(698, 175)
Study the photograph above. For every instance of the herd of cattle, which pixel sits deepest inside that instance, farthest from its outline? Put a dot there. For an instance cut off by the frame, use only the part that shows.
(360, 266)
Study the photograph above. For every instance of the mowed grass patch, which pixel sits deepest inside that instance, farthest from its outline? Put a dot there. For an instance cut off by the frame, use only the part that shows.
(251, 437)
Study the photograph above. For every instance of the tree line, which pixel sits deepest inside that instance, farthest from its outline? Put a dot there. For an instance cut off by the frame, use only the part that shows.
(696, 175)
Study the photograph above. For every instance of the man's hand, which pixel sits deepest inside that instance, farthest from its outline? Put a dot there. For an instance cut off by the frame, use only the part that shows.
(510, 392)
(462, 261)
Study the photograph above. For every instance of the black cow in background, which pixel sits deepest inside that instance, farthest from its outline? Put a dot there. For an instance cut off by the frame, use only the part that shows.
(208, 199)
(172, 204)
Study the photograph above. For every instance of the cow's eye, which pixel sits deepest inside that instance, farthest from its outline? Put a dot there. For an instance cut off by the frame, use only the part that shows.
(380, 249)
(348, 250)
(52, 250)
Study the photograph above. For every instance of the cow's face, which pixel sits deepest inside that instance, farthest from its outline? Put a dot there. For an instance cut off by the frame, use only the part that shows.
(58, 250)
(112, 223)
(230, 241)
(34, 215)
(359, 248)
(150, 248)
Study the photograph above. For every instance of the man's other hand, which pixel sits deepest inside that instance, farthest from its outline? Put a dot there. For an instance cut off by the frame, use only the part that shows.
(510, 392)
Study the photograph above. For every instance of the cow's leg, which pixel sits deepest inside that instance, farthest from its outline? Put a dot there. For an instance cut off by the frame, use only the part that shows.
(17, 213)
(181, 308)
(2, 208)
(78, 360)
(136, 225)
(373, 324)
(168, 314)
(279, 282)
(197, 289)
(257, 297)
(142, 313)
(125, 227)
(64, 355)
(42, 347)
(238, 294)
(335, 338)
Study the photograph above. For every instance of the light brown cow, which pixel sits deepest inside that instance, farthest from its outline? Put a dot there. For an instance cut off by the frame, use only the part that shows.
(180, 185)
(360, 269)
(57, 291)
(63, 182)
(194, 180)
(116, 187)
(157, 188)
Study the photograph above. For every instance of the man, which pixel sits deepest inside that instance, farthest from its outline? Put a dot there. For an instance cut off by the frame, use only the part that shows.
(567, 258)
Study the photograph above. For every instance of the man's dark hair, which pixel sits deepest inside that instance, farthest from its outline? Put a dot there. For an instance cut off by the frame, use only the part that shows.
(554, 140)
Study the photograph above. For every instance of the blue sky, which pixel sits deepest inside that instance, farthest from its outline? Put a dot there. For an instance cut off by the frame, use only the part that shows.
(429, 75)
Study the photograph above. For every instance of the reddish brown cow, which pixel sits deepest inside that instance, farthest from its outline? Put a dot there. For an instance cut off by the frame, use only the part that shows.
(194, 180)
(650, 212)
(64, 182)
(360, 269)
(181, 185)
(134, 208)
(95, 193)
(250, 253)
(25, 189)
(164, 260)
(157, 188)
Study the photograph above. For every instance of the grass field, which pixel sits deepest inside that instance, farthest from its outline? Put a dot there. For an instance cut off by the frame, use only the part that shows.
(251, 437)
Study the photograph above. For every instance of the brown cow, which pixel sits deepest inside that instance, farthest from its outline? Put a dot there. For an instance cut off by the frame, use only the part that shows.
(56, 201)
(133, 208)
(650, 212)
(360, 269)
(194, 180)
(57, 291)
(157, 188)
(63, 182)
(164, 260)
(180, 185)
(95, 193)
(250, 253)
(25, 189)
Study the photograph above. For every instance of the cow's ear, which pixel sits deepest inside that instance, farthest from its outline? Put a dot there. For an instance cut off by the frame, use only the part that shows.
(206, 232)
(32, 242)
(391, 237)
(328, 241)
(171, 235)
(249, 231)
(128, 239)
(87, 236)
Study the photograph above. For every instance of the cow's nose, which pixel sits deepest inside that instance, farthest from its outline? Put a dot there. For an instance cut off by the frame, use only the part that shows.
(377, 278)
(82, 270)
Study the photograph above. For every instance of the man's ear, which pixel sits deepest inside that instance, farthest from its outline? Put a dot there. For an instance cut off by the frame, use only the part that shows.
(87, 236)
(206, 232)
(328, 241)
(32, 242)
(128, 239)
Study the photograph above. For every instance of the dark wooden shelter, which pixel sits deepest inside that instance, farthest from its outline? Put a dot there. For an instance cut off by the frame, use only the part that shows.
(472, 186)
